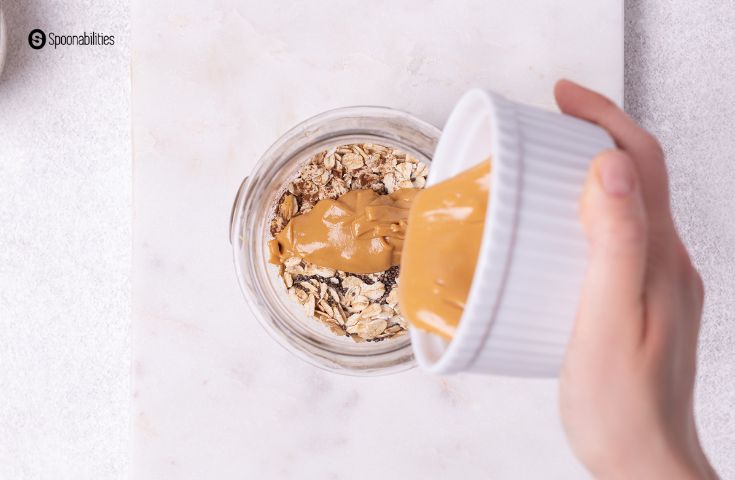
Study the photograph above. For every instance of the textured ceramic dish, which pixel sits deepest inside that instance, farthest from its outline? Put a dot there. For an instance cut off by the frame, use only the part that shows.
(282, 317)
(526, 285)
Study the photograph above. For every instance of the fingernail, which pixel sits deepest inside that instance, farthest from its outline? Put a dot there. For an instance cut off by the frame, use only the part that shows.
(616, 174)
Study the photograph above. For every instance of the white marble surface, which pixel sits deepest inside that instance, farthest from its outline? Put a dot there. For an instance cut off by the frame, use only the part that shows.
(65, 234)
(214, 397)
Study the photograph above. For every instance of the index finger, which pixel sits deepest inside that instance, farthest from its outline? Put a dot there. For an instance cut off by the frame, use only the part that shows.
(645, 150)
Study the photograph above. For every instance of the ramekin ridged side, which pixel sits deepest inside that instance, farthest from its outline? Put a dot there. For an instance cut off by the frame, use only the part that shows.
(528, 277)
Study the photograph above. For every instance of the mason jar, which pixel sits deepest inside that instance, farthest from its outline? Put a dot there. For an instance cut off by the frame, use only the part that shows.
(283, 318)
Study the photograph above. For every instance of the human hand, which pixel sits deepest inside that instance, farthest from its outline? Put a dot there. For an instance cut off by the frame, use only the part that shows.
(628, 377)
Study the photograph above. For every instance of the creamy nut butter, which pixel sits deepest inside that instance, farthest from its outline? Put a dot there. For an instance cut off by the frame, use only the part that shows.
(359, 232)
(441, 249)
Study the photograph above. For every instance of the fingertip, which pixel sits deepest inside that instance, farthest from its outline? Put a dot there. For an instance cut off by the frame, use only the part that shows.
(565, 90)
(563, 84)
(561, 89)
(579, 101)
(611, 204)
(611, 175)
(616, 173)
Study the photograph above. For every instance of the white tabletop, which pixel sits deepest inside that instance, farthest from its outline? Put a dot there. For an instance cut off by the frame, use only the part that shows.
(212, 89)
(221, 400)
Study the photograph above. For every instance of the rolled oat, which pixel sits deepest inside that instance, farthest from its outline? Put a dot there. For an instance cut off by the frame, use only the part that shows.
(362, 307)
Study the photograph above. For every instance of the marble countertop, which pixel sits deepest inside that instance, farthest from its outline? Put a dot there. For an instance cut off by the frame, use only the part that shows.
(214, 395)
(209, 395)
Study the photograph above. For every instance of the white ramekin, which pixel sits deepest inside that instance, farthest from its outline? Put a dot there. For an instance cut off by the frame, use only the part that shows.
(526, 285)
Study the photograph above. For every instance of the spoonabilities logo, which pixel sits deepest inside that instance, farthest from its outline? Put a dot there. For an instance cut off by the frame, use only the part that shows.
(37, 39)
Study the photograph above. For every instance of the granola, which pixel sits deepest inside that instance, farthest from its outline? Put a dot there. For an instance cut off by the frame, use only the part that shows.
(362, 307)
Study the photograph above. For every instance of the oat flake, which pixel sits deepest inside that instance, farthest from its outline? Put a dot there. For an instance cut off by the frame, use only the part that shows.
(362, 307)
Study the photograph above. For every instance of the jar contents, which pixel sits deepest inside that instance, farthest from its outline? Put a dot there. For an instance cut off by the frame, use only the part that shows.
(441, 249)
(359, 193)
(360, 232)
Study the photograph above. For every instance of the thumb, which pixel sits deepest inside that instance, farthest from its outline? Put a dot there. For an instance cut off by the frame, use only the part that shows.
(615, 223)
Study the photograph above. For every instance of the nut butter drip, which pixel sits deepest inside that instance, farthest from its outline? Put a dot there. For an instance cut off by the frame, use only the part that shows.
(359, 232)
(442, 246)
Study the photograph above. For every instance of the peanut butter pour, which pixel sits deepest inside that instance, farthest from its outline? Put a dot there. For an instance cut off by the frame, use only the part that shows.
(442, 245)
(360, 232)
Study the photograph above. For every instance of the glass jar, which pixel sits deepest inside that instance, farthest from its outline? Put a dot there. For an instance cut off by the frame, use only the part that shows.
(281, 316)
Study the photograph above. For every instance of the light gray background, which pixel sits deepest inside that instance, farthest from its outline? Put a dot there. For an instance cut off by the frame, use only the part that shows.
(680, 84)
(65, 196)
(65, 215)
